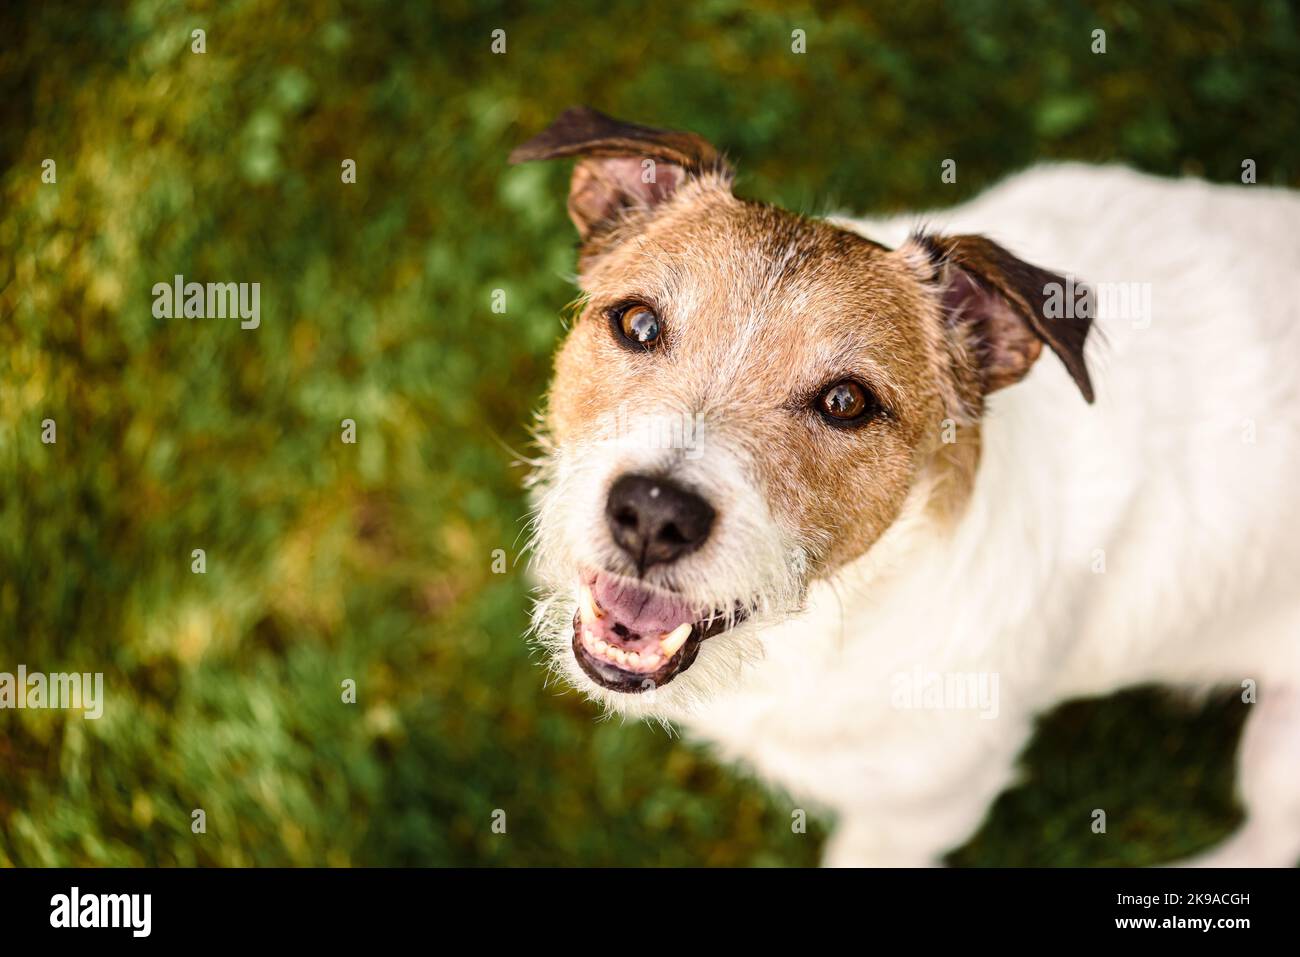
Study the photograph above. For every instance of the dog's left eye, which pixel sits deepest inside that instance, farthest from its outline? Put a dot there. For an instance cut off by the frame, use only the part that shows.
(638, 325)
(846, 403)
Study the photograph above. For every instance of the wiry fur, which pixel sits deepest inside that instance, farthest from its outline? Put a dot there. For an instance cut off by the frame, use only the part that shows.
(1068, 549)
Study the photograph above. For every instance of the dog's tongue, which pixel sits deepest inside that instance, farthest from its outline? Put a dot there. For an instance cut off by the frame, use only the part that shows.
(639, 610)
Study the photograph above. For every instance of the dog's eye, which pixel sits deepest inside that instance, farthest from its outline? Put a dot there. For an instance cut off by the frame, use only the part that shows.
(847, 402)
(639, 326)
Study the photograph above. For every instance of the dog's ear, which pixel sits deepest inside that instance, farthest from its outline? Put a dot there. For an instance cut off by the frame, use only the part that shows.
(622, 164)
(1007, 307)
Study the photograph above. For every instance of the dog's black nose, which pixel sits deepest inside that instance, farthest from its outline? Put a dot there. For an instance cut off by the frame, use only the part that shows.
(654, 520)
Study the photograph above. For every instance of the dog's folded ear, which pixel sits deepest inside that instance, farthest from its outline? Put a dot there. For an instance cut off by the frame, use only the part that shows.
(621, 164)
(1008, 308)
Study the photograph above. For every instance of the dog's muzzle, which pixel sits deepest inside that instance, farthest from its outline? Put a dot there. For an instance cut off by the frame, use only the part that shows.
(629, 637)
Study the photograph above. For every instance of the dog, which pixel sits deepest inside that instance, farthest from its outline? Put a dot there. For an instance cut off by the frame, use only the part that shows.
(855, 500)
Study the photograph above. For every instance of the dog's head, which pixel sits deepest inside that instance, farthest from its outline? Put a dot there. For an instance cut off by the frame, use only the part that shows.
(747, 401)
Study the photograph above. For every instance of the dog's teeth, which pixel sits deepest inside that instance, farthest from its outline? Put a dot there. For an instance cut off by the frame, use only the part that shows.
(671, 642)
(602, 645)
(633, 658)
(587, 606)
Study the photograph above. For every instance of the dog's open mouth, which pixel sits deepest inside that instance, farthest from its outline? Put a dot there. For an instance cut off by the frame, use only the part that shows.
(631, 638)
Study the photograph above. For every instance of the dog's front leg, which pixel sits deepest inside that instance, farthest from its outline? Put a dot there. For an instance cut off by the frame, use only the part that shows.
(923, 805)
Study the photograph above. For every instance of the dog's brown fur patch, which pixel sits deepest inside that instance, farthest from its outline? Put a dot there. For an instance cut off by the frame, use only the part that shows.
(761, 310)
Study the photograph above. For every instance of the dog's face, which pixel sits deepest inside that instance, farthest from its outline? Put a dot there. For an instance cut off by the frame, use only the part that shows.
(747, 400)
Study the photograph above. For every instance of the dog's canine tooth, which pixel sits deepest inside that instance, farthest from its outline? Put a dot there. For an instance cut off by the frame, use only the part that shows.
(587, 606)
(673, 640)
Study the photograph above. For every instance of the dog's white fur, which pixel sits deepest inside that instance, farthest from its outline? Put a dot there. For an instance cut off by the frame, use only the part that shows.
(1151, 537)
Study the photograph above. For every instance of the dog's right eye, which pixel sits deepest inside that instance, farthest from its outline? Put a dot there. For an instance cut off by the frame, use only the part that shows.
(638, 325)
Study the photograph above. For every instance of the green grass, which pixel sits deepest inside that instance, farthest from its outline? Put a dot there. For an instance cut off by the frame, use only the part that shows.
(373, 561)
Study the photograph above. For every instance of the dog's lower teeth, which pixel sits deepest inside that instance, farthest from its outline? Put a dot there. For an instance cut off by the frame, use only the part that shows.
(671, 642)
(647, 660)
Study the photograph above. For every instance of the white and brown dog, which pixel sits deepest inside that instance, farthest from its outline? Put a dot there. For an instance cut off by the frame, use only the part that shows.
(813, 491)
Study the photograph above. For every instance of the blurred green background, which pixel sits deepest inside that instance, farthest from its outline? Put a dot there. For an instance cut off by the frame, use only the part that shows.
(373, 561)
